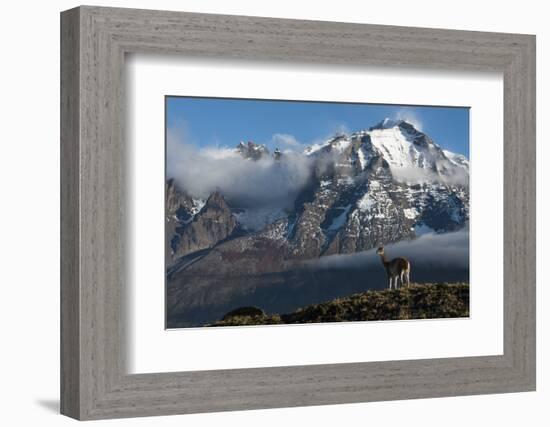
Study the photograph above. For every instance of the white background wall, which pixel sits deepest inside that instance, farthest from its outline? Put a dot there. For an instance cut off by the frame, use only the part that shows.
(29, 179)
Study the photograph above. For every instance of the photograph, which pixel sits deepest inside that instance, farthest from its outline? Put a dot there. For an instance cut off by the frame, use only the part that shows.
(299, 212)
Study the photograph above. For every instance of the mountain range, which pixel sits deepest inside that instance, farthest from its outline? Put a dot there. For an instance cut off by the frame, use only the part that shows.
(377, 186)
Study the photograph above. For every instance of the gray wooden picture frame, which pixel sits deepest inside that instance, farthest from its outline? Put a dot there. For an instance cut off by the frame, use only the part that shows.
(94, 41)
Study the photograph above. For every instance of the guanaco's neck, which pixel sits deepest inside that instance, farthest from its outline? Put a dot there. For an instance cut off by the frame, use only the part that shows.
(384, 260)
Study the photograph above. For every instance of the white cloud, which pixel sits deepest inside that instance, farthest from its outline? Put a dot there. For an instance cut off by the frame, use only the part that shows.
(244, 182)
(285, 140)
(290, 141)
(413, 175)
(341, 128)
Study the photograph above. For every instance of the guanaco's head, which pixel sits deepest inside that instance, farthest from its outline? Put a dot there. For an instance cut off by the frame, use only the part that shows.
(380, 251)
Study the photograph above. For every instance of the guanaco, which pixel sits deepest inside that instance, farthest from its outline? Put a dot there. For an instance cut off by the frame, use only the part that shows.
(396, 268)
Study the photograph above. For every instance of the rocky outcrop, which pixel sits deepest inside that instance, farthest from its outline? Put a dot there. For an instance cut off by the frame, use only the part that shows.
(180, 210)
(252, 151)
(212, 224)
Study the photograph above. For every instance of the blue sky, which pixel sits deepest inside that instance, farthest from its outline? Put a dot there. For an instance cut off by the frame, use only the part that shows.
(225, 122)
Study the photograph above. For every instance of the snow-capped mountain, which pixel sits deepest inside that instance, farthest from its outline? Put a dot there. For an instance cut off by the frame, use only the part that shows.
(411, 155)
(376, 186)
(372, 187)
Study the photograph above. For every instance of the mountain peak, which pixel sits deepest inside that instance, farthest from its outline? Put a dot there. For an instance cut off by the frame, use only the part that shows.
(216, 200)
(251, 150)
(388, 123)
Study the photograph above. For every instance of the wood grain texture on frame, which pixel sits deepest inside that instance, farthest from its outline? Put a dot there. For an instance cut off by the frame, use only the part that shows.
(94, 381)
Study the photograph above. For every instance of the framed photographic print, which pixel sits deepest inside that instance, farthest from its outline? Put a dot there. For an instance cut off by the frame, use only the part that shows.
(262, 213)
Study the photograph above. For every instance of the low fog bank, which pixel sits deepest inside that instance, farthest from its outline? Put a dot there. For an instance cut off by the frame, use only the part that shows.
(434, 258)
(420, 176)
(440, 251)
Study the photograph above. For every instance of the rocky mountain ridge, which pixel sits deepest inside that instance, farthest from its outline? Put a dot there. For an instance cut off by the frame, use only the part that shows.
(372, 187)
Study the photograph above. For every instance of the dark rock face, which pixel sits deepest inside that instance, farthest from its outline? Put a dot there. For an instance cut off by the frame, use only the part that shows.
(180, 210)
(177, 202)
(212, 224)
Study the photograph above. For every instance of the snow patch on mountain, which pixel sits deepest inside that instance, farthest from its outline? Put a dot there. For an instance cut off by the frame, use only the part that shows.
(413, 157)
(197, 205)
(366, 202)
(410, 213)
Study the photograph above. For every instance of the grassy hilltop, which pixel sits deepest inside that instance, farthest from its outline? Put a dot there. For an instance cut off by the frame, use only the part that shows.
(419, 301)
